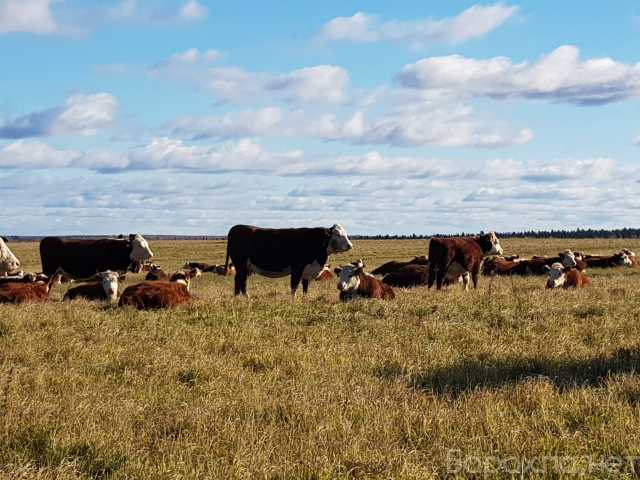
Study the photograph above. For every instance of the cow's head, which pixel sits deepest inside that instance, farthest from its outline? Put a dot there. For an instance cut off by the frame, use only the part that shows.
(490, 244)
(8, 261)
(109, 281)
(185, 275)
(140, 252)
(567, 258)
(628, 252)
(579, 255)
(338, 240)
(556, 275)
(348, 275)
(622, 259)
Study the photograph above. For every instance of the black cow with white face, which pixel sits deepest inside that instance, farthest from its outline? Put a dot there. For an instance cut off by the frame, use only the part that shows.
(278, 252)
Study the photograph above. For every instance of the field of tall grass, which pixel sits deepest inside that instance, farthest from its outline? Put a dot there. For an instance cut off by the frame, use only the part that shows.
(506, 380)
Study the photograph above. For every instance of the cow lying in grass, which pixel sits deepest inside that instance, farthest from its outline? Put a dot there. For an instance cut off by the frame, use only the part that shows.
(160, 294)
(24, 278)
(566, 277)
(156, 274)
(394, 265)
(106, 288)
(620, 259)
(18, 292)
(355, 282)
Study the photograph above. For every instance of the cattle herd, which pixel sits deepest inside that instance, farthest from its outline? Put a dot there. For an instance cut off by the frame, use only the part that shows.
(301, 253)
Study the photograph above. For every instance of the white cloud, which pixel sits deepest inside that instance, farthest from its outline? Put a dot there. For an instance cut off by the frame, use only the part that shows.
(193, 10)
(323, 82)
(31, 16)
(474, 22)
(446, 125)
(559, 76)
(82, 114)
(27, 154)
(636, 141)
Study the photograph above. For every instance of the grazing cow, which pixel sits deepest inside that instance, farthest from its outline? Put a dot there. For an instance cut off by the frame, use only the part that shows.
(460, 256)
(82, 259)
(8, 261)
(106, 288)
(156, 274)
(566, 277)
(408, 276)
(27, 292)
(152, 295)
(354, 282)
(620, 259)
(394, 265)
(278, 252)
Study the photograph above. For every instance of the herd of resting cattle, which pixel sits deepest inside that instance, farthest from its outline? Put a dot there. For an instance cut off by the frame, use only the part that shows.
(301, 253)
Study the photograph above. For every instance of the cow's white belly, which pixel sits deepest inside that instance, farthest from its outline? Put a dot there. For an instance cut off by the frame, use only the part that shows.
(310, 272)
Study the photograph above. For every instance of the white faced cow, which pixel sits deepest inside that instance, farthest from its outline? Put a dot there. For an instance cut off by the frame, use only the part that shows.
(8, 262)
(278, 252)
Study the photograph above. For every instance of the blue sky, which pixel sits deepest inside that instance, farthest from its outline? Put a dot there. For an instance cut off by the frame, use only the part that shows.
(189, 116)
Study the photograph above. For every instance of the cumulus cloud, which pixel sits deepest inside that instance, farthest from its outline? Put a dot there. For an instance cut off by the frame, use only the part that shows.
(82, 114)
(560, 76)
(193, 10)
(599, 168)
(474, 22)
(31, 16)
(137, 11)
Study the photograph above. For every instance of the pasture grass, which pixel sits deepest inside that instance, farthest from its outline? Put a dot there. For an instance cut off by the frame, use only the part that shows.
(267, 388)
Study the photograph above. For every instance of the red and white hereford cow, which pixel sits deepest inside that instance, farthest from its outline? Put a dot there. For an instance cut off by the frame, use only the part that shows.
(566, 277)
(355, 282)
(460, 256)
(9, 263)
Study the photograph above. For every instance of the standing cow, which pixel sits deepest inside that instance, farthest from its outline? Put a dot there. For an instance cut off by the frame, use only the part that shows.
(8, 261)
(460, 256)
(82, 259)
(278, 252)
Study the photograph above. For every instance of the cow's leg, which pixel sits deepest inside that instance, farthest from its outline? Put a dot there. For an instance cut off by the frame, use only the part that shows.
(465, 281)
(240, 280)
(474, 275)
(305, 286)
(432, 275)
(442, 273)
(296, 276)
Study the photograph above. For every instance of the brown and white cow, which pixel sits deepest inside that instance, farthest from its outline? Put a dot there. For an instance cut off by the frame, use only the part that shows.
(278, 252)
(354, 282)
(460, 256)
(566, 277)
(9, 263)
(620, 259)
(27, 292)
(106, 288)
(632, 257)
(394, 265)
(82, 259)
(153, 295)
(325, 275)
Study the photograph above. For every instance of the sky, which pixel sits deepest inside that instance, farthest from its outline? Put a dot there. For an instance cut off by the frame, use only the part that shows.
(190, 116)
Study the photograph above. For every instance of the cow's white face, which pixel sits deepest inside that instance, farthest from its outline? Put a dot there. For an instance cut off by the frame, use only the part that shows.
(348, 276)
(339, 241)
(556, 276)
(109, 281)
(140, 250)
(568, 258)
(624, 261)
(496, 248)
(9, 263)
(628, 252)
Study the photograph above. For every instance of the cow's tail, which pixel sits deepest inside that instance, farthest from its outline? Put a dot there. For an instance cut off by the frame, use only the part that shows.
(226, 262)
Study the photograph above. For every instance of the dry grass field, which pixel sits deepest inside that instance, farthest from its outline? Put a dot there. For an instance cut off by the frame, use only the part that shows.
(508, 379)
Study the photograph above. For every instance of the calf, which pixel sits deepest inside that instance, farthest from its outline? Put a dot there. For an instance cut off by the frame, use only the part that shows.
(27, 292)
(159, 294)
(156, 274)
(394, 265)
(203, 267)
(566, 277)
(106, 288)
(354, 282)
(460, 256)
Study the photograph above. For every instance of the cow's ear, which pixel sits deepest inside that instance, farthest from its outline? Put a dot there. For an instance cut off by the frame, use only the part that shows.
(337, 270)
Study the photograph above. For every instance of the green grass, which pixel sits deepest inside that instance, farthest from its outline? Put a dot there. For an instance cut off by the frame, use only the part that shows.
(267, 388)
